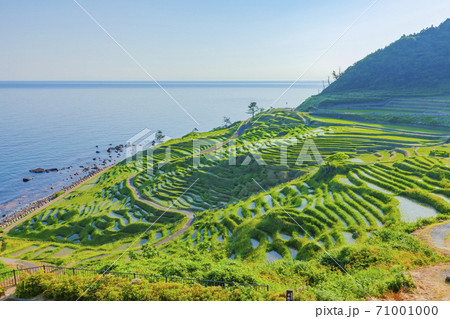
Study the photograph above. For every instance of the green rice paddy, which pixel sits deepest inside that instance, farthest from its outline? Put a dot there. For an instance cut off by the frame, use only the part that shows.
(262, 207)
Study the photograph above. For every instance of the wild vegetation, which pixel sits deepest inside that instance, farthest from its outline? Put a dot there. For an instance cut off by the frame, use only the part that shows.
(406, 82)
(334, 227)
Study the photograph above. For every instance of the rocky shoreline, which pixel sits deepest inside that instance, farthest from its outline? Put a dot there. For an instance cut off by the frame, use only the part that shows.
(21, 213)
(95, 166)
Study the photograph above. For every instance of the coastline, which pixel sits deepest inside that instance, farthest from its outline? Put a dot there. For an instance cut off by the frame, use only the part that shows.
(36, 206)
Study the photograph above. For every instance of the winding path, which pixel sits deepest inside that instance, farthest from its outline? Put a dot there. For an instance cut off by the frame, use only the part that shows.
(436, 236)
(190, 215)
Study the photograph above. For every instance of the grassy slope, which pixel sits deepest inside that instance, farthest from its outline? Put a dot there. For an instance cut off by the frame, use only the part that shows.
(335, 207)
(406, 82)
(3, 267)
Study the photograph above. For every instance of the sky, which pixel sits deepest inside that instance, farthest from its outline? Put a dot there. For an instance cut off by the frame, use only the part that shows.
(200, 40)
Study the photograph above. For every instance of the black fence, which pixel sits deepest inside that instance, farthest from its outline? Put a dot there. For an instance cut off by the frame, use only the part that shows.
(13, 277)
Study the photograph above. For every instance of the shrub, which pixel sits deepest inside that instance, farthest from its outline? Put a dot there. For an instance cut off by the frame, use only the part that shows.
(111, 288)
(360, 285)
(231, 272)
(3, 267)
(351, 256)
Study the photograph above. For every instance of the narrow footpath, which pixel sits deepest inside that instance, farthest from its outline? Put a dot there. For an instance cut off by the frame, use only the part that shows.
(190, 215)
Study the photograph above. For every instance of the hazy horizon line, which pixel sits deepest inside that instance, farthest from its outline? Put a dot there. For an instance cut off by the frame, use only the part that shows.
(150, 81)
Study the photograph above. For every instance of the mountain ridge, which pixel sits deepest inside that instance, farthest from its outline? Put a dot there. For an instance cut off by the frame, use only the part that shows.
(414, 65)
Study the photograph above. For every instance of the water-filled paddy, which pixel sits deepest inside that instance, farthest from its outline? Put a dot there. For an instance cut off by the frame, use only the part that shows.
(411, 210)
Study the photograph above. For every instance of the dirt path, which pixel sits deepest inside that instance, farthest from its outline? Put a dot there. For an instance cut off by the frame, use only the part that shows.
(15, 264)
(190, 215)
(430, 280)
(238, 133)
(436, 236)
(430, 284)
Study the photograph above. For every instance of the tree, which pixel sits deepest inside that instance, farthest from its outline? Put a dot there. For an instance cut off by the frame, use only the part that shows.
(336, 75)
(226, 121)
(159, 136)
(195, 130)
(252, 109)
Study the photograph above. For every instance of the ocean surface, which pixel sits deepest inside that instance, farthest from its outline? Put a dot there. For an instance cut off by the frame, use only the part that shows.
(59, 124)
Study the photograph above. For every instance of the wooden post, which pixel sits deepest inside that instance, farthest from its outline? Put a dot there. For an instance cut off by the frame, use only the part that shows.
(134, 275)
(166, 278)
(73, 271)
(289, 295)
(15, 278)
(43, 266)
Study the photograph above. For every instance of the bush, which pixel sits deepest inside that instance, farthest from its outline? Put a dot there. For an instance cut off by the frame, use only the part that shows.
(111, 288)
(360, 285)
(231, 272)
(351, 256)
(3, 267)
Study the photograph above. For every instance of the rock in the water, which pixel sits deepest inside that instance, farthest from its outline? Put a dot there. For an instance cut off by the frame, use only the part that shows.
(51, 170)
(97, 152)
(37, 170)
(27, 179)
(109, 150)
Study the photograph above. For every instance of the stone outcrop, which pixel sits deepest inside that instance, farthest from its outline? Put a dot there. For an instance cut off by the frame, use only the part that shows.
(37, 170)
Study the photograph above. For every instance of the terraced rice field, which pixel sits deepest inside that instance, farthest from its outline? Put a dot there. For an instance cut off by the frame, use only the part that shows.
(308, 213)
(220, 182)
(424, 110)
(267, 203)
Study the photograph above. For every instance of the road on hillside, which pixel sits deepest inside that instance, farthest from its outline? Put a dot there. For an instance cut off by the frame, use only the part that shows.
(436, 236)
(439, 234)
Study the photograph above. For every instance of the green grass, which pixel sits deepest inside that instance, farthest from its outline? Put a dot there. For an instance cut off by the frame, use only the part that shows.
(323, 119)
(290, 219)
(3, 267)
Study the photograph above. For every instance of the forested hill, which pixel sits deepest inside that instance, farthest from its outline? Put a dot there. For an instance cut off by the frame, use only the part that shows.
(414, 65)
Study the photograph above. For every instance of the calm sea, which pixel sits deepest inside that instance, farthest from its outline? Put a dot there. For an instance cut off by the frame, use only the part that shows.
(59, 124)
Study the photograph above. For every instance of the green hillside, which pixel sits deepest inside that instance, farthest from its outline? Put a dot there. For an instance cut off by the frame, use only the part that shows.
(325, 203)
(410, 77)
(284, 222)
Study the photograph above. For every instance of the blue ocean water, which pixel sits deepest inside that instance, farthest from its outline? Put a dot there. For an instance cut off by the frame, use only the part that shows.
(59, 124)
